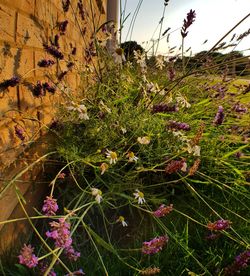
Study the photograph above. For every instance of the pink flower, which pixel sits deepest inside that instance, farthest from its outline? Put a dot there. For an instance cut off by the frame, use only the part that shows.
(219, 225)
(163, 210)
(155, 245)
(71, 254)
(60, 233)
(50, 206)
(27, 257)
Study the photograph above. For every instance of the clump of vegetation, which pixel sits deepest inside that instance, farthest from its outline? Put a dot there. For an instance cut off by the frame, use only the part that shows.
(154, 176)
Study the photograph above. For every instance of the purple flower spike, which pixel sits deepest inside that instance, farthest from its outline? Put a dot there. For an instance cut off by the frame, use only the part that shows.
(178, 125)
(27, 257)
(219, 117)
(10, 83)
(241, 262)
(62, 26)
(219, 225)
(188, 22)
(53, 51)
(60, 233)
(155, 245)
(45, 63)
(19, 133)
(164, 108)
(163, 210)
(50, 206)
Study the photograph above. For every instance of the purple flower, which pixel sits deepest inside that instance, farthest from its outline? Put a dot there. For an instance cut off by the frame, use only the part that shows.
(155, 245)
(10, 83)
(178, 125)
(53, 51)
(62, 26)
(188, 22)
(81, 9)
(19, 133)
(38, 90)
(163, 108)
(171, 73)
(49, 88)
(73, 52)
(65, 5)
(219, 225)
(56, 41)
(239, 108)
(45, 63)
(50, 206)
(163, 210)
(27, 257)
(71, 254)
(78, 272)
(241, 262)
(60, 233)
(219, 117)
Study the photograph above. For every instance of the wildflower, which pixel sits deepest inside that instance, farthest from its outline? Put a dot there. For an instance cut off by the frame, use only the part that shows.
(61, 175)
(60, 233)
(150, 271)
(160, 62)
(27, 257)
(219, 225)
(131, 157)
(53, 51)
(48, 87)
(182, 101)
(65, 4)
(155, 245)
(145, 140)
(73, 51)
(19, 133)
(38, 90)
(81, 9)
(239, 108)
(195, 167)
(12, 82)
(241, 262)
(118, 56)
(175, 166)
(112, 155)
(71, 254)
(163, 210)
(62, 75)
(62, 26)
(122, 220)
(178, 125)
(97, 193)
(45, 63)
(56, 41)
(171, 73)
(140, 58)
(163, 108)
(50, 206)
(188, 22)
(81, 109)
(218, 120)
(103, 168)
(140, 196)
(196, 150)
(70, 65)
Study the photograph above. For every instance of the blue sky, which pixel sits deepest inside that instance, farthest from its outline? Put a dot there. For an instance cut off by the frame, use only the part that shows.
(214, 19)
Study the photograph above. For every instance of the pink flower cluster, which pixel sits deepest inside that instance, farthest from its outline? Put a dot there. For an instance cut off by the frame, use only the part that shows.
(71, 254)
(219, 225)
(27, 257)
(155, 245)
(163, 210)
(50, 206)
(60, 233)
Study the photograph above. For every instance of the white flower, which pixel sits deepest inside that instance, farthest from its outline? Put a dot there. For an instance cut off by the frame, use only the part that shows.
(196, 150)
(112, 155)
(124, 130)
(143, 140)
(103, 107)
(182, 101)
(184, 167)
(97, 193)
(131, 157)
(140, 59)
(122, 220)
(80, 108)
(140, 196)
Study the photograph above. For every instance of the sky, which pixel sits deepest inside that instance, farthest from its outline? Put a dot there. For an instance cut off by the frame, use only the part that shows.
(214, 18)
